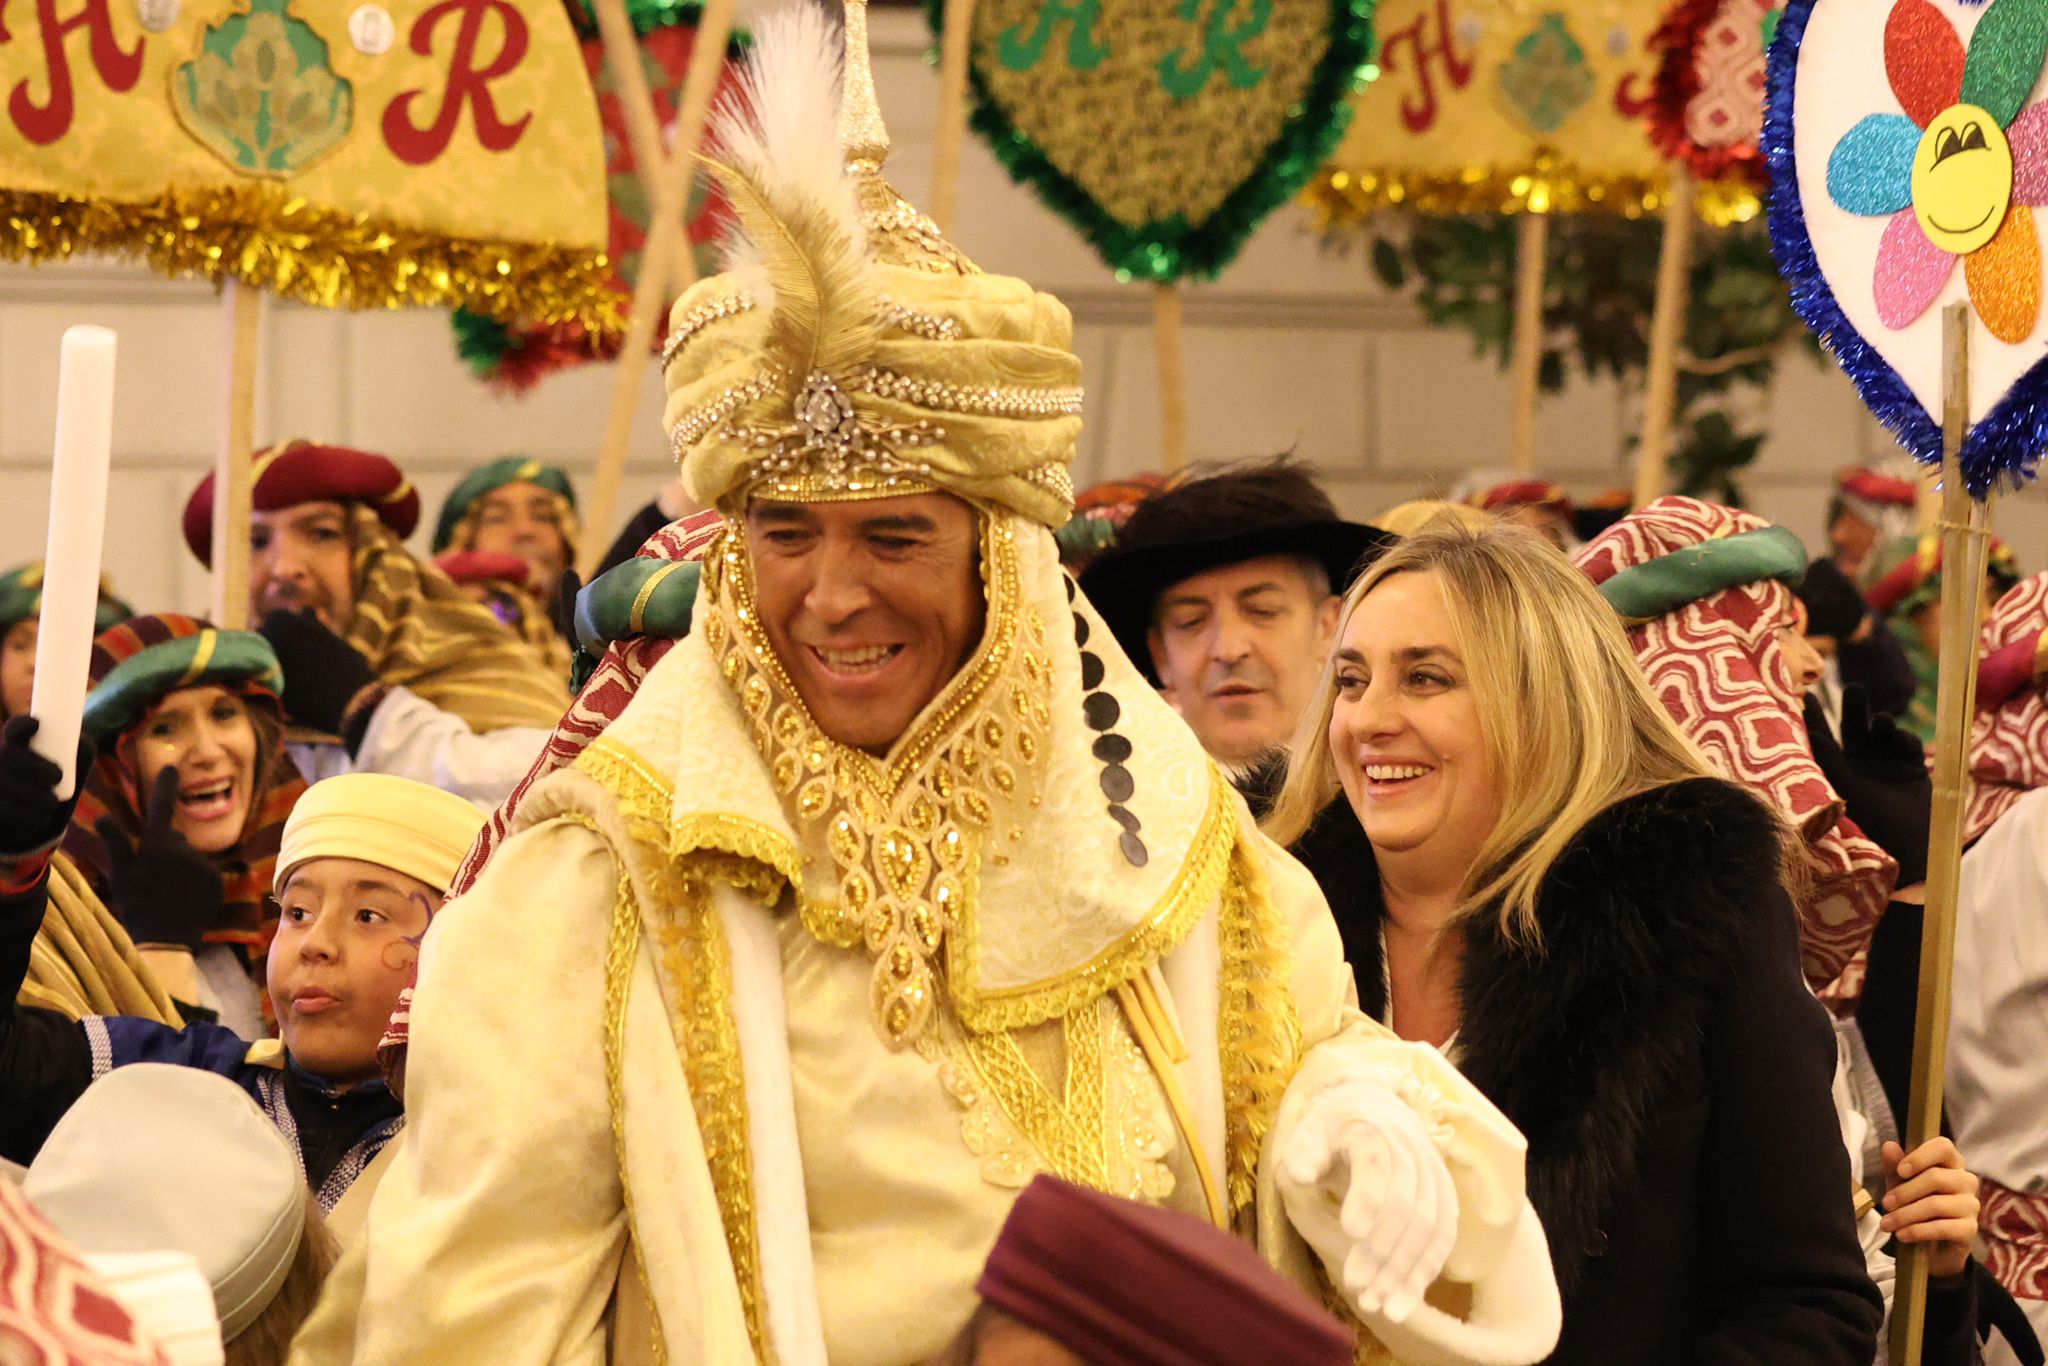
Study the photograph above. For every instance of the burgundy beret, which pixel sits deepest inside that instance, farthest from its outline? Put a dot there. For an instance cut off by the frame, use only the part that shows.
(1114, 1280)
(294, 472)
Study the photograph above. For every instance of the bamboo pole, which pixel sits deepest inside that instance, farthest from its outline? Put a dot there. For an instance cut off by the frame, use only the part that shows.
(1173, 395)
(1965, 536)
(955, 47)
(1667, 332)
(1532, 240)
(665, 268)
(700, 87)
(242, 313)
(636, 98)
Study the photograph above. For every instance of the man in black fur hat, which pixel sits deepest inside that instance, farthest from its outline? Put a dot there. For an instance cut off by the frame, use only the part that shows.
(1225, 589)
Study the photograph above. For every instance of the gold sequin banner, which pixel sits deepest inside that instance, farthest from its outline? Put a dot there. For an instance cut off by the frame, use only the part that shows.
(1507, 106)
(342, 154)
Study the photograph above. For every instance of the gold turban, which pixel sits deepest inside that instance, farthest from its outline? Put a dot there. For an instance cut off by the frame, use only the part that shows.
(850, 351)
(395, 823)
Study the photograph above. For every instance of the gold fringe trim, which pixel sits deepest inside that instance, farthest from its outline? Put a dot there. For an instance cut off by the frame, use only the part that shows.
(622, 950)
(285, 246)
(1341, 199)
(1200, 880)
(1258, 1032)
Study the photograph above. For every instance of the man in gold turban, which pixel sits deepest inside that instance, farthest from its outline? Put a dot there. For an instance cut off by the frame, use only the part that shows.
(893, 886)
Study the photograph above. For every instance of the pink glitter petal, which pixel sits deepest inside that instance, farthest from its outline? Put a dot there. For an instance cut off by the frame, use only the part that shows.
(2029, 138)
(1910, 271)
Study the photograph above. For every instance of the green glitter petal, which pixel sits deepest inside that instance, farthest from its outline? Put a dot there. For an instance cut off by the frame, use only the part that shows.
(2005, 57)
(1170, 249)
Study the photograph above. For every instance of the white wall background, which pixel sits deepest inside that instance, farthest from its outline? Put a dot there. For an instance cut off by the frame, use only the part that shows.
(1293, 348)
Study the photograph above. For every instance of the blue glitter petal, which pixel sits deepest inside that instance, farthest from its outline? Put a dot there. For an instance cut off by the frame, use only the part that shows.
(2004, 449)
(1871, 169)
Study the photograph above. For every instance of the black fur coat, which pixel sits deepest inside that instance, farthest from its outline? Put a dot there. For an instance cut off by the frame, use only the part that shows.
(1671, 1073)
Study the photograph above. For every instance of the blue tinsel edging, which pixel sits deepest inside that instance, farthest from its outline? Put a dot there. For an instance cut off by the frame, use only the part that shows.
(2000, 451)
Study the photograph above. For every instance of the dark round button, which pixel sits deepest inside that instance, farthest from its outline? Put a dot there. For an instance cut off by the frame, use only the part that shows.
(1123, 816)
(1067, 581)
(1091, 669)
(1100, 710)
(1112, 748)
(1134, 850)
(1080, 629)
(1117, 783)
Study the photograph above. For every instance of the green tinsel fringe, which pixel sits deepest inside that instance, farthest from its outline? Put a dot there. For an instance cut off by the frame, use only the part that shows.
(1171, 249)
(481, 342)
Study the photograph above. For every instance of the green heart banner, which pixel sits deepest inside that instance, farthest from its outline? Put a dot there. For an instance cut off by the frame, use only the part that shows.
(1165, 131)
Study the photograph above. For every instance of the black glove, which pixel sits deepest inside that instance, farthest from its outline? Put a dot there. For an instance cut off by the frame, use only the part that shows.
(32, 816)
(1881, 772)
(165, 891)
(566, 589)
(322, 672)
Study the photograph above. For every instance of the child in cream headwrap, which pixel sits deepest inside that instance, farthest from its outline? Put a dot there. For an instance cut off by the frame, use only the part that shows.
(365, 862)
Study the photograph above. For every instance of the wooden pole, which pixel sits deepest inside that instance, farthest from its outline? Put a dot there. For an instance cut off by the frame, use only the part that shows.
(665, 268)
(1667, 333)
(242, 311)
(636, 98)
(955, 47)
(700, 87)
(1532, 240)
(1173, 395)
(1965, 541)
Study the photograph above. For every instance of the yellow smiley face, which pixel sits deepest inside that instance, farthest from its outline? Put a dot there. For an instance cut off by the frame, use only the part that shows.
(1962, 179)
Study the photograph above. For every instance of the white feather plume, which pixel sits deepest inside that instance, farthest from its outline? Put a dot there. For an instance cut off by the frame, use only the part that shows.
(775, 146)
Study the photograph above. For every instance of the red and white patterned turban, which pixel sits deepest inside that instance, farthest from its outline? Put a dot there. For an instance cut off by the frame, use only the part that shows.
(2009, 743)
(54, 1309)
(1718, 666)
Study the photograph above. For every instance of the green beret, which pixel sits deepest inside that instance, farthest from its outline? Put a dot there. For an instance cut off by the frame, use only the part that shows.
(511, 469)
(211, 657)
(21, 597)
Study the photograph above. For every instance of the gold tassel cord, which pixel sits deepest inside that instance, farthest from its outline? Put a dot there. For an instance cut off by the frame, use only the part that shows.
(287, 247)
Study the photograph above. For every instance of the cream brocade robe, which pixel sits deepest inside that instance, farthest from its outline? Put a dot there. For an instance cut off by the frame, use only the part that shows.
(650, 1117)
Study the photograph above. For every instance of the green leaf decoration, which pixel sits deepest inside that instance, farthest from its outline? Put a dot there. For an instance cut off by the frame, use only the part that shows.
(260, 94)
(1165, 131)
(2005, 57)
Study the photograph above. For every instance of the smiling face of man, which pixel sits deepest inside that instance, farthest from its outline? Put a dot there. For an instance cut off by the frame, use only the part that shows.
(871, 606)
(1962, 179)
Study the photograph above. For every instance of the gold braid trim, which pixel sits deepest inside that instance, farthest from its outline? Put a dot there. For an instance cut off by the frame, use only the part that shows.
(622, 950)
(692, 858)
(695, 959)
(1194, 890)
(1260, 1036)
(283, 245)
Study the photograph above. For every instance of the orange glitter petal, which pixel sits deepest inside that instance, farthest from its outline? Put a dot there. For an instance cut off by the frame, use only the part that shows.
(2005, 277)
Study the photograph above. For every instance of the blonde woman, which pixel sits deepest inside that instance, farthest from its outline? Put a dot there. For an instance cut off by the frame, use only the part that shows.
(1592, 927)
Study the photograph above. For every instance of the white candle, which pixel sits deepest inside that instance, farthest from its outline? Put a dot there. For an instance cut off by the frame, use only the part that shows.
(71, 560)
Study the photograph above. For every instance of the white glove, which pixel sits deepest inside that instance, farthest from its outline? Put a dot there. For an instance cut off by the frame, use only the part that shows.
(1363, 1183)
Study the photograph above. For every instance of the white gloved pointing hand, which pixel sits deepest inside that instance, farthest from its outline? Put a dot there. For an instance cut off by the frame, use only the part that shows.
(1363, 1183)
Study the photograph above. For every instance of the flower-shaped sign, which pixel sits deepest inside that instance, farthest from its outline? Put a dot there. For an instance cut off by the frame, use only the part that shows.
(1902, 136)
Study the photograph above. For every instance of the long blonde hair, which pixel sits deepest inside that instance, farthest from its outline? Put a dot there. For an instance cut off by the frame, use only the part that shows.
(1570, 723)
